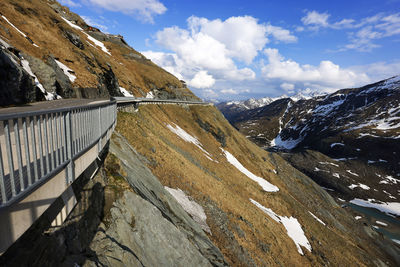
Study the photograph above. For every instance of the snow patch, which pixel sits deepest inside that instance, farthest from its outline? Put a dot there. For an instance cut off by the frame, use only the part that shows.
(353, 173)
(125, 92)
(188, 138)
(266, 186)
(191, 207)
(93, 40)
(150, 95)
(20, 32)
(286, 144)
(330, 163)
(389, 180)
(390, 208)
(362, 186)
(67, 71)
(381, 223)
(336, 144)
(48, 96)
(318, 219)
(292, 225)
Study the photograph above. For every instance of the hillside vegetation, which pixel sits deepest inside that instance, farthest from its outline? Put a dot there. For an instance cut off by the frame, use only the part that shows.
(45, 34)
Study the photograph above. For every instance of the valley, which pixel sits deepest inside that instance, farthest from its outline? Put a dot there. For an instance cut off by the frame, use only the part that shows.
(347, 142)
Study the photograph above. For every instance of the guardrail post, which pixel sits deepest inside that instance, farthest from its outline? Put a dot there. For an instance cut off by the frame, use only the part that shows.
(3, 198)
(99, 129)
(10, 156)
(68, 142)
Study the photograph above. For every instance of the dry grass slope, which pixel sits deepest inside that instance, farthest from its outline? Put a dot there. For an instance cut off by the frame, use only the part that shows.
(218, 186)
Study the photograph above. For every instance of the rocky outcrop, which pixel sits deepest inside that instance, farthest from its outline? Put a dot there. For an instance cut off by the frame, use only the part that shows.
(108, 82)
(51, 76)
(139, 235)
(16, 85)
(177, 227)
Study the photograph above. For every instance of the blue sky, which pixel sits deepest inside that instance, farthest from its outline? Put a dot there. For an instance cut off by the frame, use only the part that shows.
(229, 49)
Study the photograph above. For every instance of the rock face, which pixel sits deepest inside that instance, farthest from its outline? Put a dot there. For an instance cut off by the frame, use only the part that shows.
(16, 85)
(165, 217)
(140, 236)
(118, 224)
(101, 62)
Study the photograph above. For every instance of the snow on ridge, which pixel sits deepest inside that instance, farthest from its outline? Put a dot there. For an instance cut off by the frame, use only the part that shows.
(389, 180)
(292, 225)
(266, 186)
(286, 144)
(316, 218)
(352, 173)
(125, 92)
(48, 96)
(189, 138)
(18, 30)
(93, 40)
(362, 186)
(381, 223)
(390, 208)
(190, 206)
(150, 95)
(67, 71)
(324, 110)
(336, 144)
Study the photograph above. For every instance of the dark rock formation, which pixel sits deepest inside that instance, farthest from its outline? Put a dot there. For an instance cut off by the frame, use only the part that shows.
(73, 38)
(108, 82)
(16, 85)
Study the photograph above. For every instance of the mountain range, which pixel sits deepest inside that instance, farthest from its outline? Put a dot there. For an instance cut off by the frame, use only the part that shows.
(179, 185)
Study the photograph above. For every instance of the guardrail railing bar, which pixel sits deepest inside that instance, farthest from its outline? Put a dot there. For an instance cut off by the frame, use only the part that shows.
(10, 156)
(80, 130)
(3, 198)
(86, 128)
(68, 118)
(61, 131)
(57, 139)
(41, 157)
(27, 152)
(19, 154)
(98, 129)
(46, 143)
(34, 154)
(51, 140)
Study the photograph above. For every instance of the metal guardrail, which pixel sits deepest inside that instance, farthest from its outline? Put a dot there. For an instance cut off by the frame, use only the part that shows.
(124, 101)
(36, 146)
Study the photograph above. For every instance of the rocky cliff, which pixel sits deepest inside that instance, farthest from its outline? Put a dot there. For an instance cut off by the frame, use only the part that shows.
(48, 52)
(179, 185)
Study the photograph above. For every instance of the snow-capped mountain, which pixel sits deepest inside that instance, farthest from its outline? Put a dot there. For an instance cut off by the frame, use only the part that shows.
(347, 141)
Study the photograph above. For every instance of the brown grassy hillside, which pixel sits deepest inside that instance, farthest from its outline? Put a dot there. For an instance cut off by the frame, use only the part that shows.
(245, 234)
(50, 35)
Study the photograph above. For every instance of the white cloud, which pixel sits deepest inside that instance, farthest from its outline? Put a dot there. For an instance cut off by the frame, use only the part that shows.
(326, 75)
(229, 91)
(202, 80)
(316, 19)
(288, 87)
(379, 70)
(94, 22)
(243, 36)
(144, 9)
(281, 34)
(214, 48)
(368, 29)
(69, 3)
